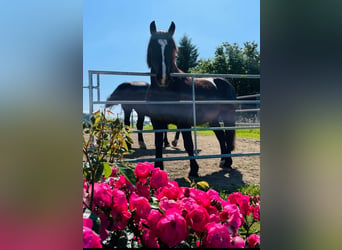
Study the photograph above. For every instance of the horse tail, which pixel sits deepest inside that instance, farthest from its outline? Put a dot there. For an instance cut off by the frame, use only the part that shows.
(114, 96)
(118, 93)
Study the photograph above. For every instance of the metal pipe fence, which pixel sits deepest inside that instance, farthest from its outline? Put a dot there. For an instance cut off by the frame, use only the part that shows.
(239, 100)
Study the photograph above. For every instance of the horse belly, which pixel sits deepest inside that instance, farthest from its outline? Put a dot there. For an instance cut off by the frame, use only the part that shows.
(206, 113)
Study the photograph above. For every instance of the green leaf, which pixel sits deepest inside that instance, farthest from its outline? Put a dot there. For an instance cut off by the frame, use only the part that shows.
(107, 171)
(127, 172)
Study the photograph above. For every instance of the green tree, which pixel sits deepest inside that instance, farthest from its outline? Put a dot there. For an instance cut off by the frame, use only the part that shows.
(187, 54)
(232, 59)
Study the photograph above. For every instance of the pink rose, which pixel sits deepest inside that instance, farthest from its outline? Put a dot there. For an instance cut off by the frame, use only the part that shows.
(159, 178)
(234, 198)
(153, 219)
(149, 239)
(198, 218)
(143, 190)
(172, 228)
(200, 197)
(141, 205)
(114, 172)
(142, 171)
(87, 222)
(256, 212)
(234, 217)
(104, 225)
(237, 242)
(90, 238)
(102, 194)
(166, 204)
(119, 200)
(214, 195)
(124, 185)
(214, 218)
(216, 236)
(171, 191)
(120, 218)
(244, 205)
(254, 241)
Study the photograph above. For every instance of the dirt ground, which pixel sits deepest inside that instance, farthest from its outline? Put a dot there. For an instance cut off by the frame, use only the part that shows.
(246, 170)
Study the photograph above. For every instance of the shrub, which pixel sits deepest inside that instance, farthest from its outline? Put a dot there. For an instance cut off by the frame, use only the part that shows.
(140, 207)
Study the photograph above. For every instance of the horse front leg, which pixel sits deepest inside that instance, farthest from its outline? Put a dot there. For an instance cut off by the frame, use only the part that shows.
(140, 125)
(189, 147)
(158, 142)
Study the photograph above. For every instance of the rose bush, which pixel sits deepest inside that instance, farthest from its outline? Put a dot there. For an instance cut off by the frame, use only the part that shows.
(141, 207)
(157, 212)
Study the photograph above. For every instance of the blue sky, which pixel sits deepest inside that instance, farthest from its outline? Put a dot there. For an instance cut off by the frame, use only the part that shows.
(116, 33)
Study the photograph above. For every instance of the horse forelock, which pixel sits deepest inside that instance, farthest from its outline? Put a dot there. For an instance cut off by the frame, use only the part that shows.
(157, 36)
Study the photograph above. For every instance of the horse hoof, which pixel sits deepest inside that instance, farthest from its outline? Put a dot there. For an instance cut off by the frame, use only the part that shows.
(225, 165)
(174, 143)
(193, 175)
(142, 145)
(167, 145)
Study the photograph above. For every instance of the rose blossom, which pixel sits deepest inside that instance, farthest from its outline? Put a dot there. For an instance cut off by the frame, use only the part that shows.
(141, 205)
(172, 228)
(143, 190)
(237, 242)
(120, 218)
(216, 236)
(256, 212)
(234, 217)
(159, 178)
(125, 185)
(171, 191)
(244, 205)
(142, 171)
(90, 238)
(104, 225)
(234, 198)
(198, 218)
(102, 194)
(200, 197)
(166, 204)
(254, 241)
(119, 200)
(149, 239)
(114, 172)
(153, 219)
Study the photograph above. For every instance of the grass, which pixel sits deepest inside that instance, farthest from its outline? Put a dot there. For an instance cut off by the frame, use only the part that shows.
(240, 133)
(252, 189)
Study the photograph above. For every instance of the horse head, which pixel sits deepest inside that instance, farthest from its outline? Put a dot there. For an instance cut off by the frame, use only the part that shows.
(161, 54)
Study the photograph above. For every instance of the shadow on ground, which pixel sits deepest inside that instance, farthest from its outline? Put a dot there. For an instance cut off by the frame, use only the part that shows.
(227, 180)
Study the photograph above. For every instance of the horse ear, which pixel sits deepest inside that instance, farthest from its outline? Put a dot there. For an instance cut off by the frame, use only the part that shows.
(153, 28)
(172, 28)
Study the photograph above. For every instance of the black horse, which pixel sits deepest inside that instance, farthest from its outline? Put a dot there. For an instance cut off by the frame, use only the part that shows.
(161, 55)
(135, 91)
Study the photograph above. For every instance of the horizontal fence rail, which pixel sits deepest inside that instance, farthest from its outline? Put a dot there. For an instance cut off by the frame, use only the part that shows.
(193, 102)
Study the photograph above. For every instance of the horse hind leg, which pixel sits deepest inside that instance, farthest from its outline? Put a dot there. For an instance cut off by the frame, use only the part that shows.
(175, 141)
(166, 141)
(225, 162)
(140, 125)
(189, 147)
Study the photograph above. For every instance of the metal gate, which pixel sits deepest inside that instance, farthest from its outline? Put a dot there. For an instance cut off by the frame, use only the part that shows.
(96, 87)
